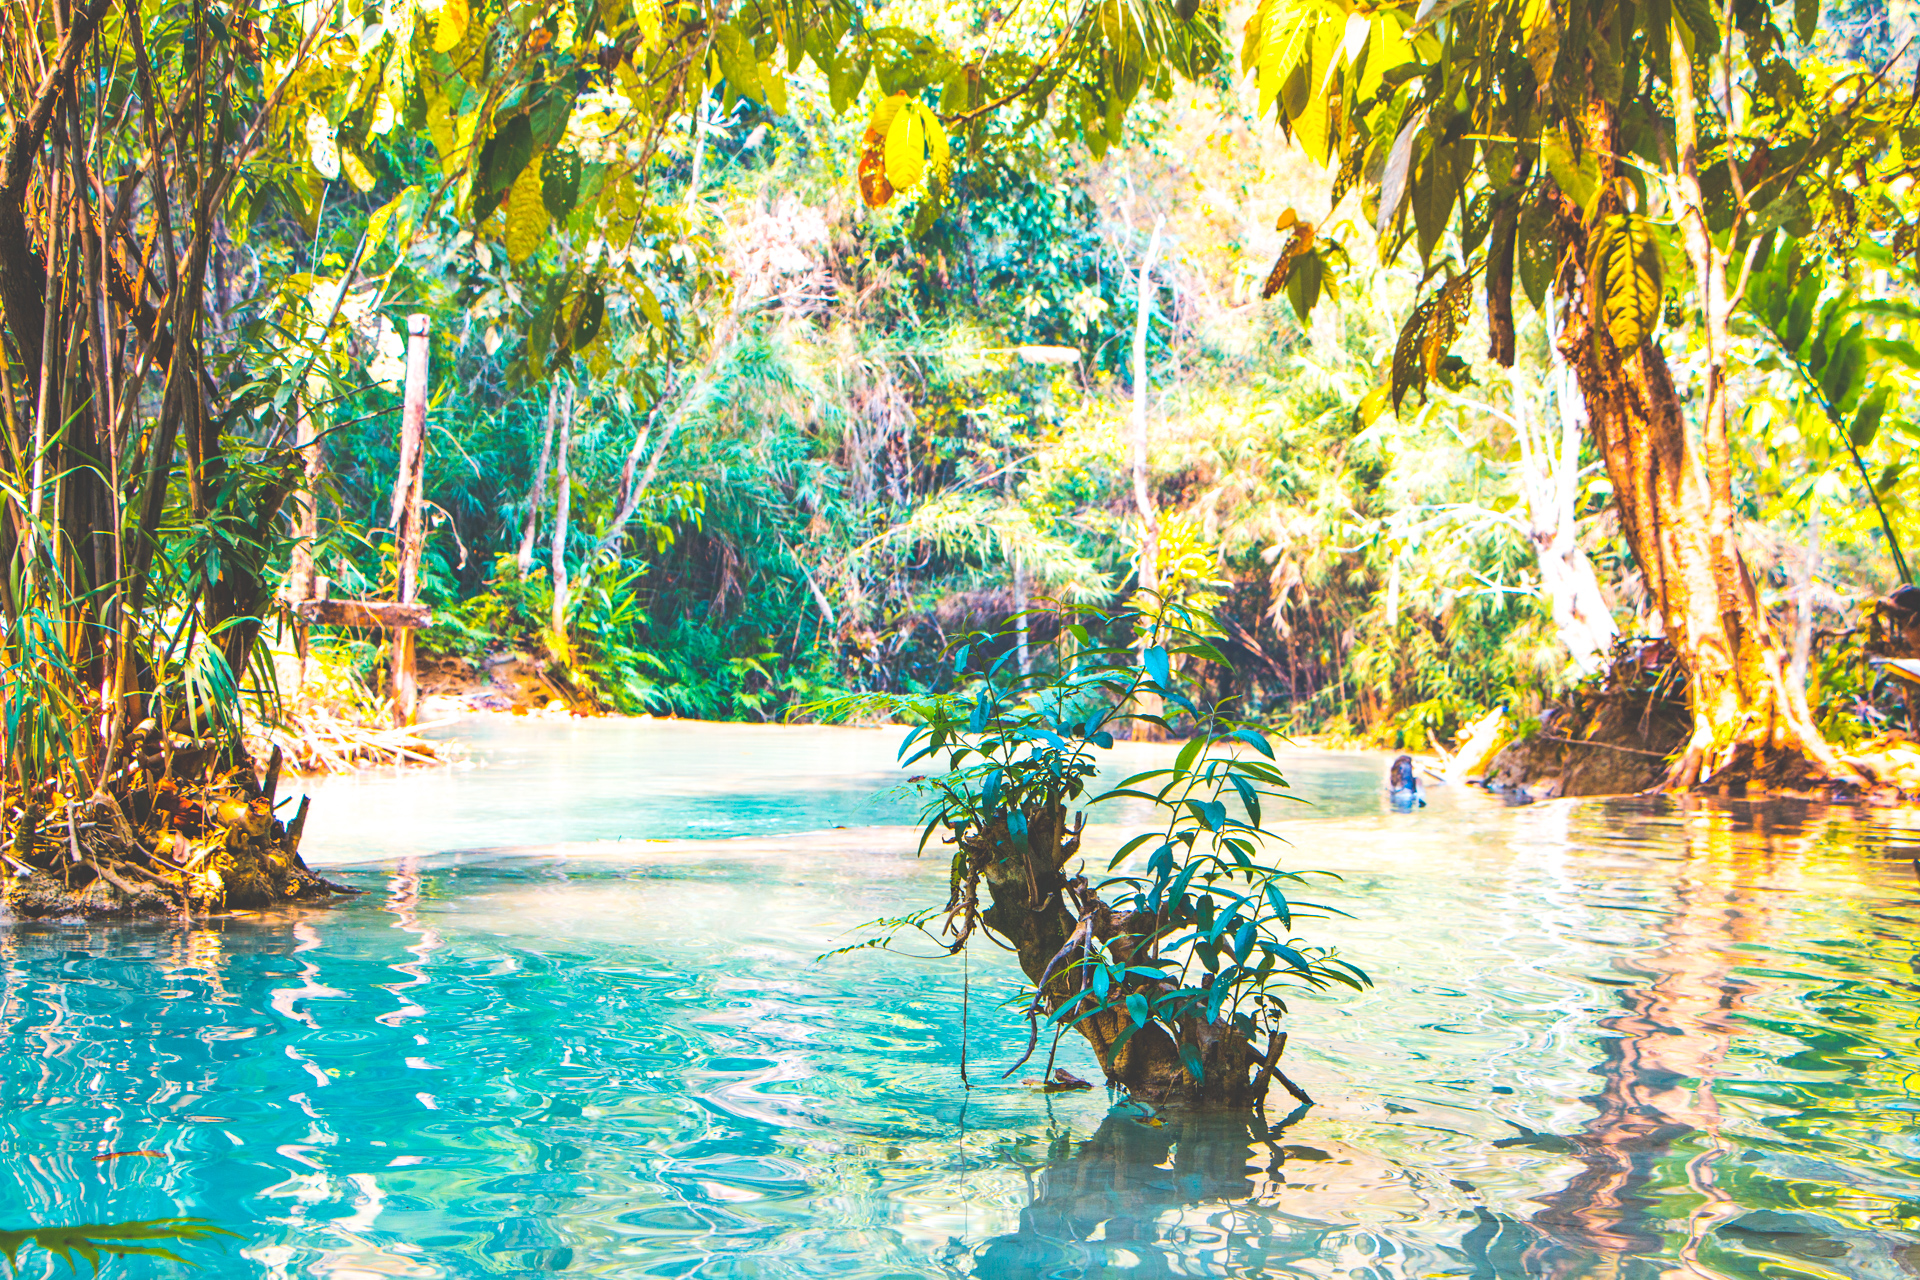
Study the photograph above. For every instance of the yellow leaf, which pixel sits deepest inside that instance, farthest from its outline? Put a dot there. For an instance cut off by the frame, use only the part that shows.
(1625, 270)
(440, 125)
(1286, 36)
(875, 190)
(906, 150)
(646, 15)
(1540, 26)
(650, 307)
(1315, 124)
(1387, 48)
(526, 215)
(453, 26)
(939, 153)
(356, 170)
(881, 118)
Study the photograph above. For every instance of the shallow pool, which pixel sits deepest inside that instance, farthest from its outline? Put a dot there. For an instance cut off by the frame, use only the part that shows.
(1609, 1039)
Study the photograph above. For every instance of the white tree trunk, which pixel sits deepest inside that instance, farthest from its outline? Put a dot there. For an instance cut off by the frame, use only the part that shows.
(1142, 494)
(538, 494)
(1549, 482)
(1021, 631)
(562, 500)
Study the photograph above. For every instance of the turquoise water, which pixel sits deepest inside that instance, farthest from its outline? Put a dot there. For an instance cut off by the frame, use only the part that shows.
(1610, 1039)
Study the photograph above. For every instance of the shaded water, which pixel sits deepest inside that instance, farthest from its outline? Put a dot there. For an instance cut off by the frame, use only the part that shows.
(1609, 1039)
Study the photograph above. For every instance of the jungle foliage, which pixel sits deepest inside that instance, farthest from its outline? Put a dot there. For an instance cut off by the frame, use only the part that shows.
(1625, 167)
(775, 344)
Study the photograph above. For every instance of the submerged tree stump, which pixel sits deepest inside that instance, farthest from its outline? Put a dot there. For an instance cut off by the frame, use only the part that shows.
(1048, 917)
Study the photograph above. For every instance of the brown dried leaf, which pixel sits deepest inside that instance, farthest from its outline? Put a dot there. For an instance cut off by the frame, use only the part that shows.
(1297, 244)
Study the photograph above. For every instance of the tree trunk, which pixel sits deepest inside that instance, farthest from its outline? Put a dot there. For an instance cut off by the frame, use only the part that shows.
(1674, 494)
(538, 494)
(1022, 628)
(1142, 492)
(562, 500)
(1549, 475)
(409, 519)
(633, 488)
(1144, 507)
(1037, 908)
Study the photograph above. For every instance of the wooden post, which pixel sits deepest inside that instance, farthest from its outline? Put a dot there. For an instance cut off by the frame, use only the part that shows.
(304, 581)
(409, 524)
(306, 506)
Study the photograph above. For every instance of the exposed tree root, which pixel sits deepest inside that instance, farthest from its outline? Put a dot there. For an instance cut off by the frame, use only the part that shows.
(1630, 731)
(186, 827)
(1613, 735)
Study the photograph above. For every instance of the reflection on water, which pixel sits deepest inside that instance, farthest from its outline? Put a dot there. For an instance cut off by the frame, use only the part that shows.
(1610, 1039)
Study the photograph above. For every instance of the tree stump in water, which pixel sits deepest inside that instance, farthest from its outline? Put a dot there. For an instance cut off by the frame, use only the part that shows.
(1050, 918)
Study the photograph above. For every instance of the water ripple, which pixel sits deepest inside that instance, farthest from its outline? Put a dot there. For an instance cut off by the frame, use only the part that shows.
(1608, 1038)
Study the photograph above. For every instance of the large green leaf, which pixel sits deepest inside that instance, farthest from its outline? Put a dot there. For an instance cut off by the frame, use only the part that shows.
(505, 154)
(1538, 250)
(560, 174)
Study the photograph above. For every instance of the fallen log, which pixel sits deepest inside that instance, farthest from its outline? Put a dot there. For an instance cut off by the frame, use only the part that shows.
(389, 614)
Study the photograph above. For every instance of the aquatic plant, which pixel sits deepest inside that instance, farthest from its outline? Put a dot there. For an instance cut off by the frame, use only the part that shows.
(1173, 965)
(94, 1240)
